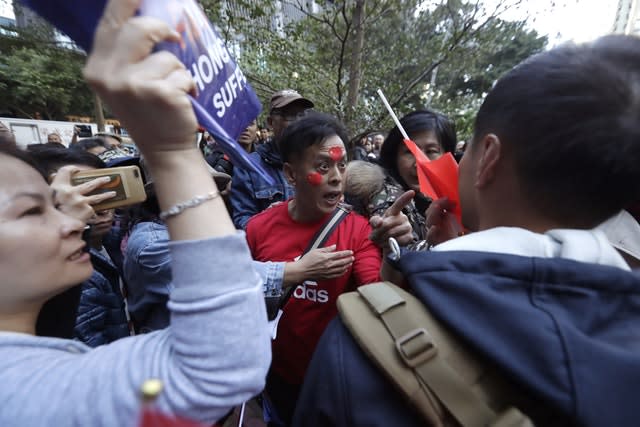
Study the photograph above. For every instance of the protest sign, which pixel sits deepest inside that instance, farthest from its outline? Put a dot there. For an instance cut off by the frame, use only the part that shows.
(225, 103)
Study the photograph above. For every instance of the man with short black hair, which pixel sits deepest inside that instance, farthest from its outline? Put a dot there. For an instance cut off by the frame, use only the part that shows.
(315, 160)
(534, 291)
(250, 192)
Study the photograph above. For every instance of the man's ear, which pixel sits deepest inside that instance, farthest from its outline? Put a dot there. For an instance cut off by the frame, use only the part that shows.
(490, 156)
(270, 122)
(289, 173)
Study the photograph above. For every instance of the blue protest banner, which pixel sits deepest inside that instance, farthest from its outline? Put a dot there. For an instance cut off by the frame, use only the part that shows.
(225, 104)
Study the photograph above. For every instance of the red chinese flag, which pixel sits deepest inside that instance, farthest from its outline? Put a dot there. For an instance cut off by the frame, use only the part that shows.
(437, 178)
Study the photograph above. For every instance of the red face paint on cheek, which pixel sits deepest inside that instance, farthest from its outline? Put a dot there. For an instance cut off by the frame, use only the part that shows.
(336, 153)
(314, 178)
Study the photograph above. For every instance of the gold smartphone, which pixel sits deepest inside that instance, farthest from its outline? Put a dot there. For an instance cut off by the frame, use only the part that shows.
(126, 181)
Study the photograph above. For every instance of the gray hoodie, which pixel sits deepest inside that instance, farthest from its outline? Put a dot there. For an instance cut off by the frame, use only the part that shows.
(215, 354)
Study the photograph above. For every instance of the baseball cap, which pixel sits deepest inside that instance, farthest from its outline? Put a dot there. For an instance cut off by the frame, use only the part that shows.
(284, 97)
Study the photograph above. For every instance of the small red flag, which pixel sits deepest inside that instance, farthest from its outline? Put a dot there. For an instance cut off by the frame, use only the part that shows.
(151, 417)
(437, 178)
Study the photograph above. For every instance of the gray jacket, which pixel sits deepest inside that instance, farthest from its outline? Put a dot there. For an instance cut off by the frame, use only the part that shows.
(215, 354)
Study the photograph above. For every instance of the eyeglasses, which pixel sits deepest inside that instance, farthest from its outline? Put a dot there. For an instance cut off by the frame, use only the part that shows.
(289, 117)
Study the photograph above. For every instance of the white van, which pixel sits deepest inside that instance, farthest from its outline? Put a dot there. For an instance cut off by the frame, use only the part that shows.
(28, 131)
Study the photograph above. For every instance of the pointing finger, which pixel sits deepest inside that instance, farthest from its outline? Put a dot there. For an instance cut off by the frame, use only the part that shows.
(400, 203)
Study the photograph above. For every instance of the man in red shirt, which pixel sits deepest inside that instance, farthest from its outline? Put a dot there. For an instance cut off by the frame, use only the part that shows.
(315, 161)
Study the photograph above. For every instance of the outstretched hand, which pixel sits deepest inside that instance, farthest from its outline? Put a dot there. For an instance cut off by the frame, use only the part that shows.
(441, 223)
(73, 200)
(323, 264)
(394, 223)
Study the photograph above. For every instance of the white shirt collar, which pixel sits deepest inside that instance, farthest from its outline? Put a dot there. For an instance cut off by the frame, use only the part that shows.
(578, 245)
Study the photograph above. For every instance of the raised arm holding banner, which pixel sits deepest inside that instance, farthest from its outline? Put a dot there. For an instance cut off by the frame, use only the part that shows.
(225, 104)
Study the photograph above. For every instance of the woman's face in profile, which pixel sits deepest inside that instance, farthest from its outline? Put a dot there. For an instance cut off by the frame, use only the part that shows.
(41, 250)
(427, 141)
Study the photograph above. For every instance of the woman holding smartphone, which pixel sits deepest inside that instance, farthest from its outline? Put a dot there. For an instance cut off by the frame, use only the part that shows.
(216, 351)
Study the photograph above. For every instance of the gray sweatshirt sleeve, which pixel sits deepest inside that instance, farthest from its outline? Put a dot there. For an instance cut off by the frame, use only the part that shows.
(214, 356)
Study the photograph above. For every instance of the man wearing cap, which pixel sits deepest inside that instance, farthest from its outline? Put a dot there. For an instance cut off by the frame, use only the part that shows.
(250, 193)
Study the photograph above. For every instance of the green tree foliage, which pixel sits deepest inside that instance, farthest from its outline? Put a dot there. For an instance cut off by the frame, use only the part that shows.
(443, 54)
(41, 78)
(46, 82)
(461, 84)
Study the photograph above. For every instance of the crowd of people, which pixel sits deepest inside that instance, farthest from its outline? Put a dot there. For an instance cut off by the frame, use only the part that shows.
(225, 286)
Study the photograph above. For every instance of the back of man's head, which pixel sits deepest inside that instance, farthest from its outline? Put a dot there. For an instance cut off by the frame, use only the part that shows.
(309, 130)
(569, 119)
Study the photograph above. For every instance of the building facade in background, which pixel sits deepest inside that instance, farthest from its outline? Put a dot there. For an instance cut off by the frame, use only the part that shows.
(627, 17)
(284, 13)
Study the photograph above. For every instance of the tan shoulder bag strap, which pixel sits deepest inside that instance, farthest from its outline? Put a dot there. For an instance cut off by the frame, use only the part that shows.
(419, 352)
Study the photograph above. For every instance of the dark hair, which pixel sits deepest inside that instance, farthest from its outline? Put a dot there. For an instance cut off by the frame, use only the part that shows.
(31, 148)
(311, 129)
(57, 316)
(89, 143)
(147, 211)
(17, 153)
(49, 159)
(570, 119)
(417, 121)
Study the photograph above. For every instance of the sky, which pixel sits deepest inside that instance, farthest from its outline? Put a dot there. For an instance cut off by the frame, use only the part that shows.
(6, 9)
(560, 20)
(564, 20)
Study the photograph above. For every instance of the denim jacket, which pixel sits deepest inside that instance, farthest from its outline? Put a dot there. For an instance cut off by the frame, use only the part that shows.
(250, 193)
(147, 272)
(101, 316)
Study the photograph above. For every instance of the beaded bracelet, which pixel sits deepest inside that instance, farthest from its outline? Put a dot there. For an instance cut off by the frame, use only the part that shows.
(178, 208)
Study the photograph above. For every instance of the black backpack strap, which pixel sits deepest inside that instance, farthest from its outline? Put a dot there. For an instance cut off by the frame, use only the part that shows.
(323, 234)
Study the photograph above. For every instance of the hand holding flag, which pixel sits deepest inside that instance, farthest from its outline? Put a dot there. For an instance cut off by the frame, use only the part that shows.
(437, 178)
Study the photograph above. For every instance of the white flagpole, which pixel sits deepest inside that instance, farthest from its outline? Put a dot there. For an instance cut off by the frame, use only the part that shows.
(393, 115)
